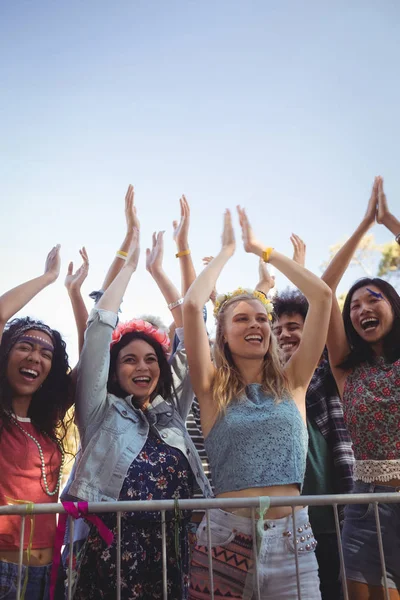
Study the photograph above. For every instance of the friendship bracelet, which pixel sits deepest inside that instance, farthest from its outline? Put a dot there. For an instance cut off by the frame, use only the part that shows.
(175, 304)
(266, 255)
(397, 238)
(182, 253)
(121, 254)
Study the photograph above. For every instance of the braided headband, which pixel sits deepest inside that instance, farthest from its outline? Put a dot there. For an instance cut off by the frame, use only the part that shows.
(158, 335)
(34, 325)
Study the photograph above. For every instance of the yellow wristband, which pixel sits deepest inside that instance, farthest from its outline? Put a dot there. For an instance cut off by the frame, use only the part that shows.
(266, 255)
(122, 254)
(183, 253)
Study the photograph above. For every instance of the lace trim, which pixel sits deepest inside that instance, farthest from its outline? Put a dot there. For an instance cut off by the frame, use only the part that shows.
(376, 470)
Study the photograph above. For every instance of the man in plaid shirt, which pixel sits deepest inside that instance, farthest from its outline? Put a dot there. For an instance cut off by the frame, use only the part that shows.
(330, 456)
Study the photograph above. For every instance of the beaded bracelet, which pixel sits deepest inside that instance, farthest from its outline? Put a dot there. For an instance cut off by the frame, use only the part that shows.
(175, 304)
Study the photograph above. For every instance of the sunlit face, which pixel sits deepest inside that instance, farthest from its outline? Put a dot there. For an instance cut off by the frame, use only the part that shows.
(288, 330)
(246, 329)
(137, 370)
(29, 362)
(371, 314)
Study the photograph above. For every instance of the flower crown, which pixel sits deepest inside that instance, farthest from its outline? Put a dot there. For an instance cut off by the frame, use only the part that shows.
(223, 298)
(158, 335)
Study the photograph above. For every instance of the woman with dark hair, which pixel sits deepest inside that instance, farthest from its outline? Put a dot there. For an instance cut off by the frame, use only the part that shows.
(364, 351)
(131, 406)
(34, 399)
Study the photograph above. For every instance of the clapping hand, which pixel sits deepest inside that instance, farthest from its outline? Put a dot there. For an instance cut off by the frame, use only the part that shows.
(73, 281)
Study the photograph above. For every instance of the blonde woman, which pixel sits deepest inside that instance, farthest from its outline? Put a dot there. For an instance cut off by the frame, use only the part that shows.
(254, 420)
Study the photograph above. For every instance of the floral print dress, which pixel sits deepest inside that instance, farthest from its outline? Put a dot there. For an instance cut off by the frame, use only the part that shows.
(160, 472)
(371, 405)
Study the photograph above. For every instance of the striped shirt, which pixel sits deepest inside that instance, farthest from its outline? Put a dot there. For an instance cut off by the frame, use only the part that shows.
(193, 427)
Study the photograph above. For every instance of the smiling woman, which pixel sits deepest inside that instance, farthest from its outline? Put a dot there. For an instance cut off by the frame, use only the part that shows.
(131, 407)
(364, 352)
(34, 398)
(253, 419)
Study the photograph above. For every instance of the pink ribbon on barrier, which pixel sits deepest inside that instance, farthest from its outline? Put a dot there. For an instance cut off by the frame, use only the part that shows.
(76, 511)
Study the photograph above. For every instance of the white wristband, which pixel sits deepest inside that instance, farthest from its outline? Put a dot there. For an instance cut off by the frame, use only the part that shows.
(175, 304)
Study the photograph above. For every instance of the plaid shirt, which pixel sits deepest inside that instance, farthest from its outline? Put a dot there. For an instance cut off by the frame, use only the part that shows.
(325, 409)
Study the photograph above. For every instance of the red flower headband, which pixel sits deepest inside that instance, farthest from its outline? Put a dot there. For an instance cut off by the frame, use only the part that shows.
(139, 325)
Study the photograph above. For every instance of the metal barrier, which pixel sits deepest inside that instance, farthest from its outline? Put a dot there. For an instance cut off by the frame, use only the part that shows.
(205, 505)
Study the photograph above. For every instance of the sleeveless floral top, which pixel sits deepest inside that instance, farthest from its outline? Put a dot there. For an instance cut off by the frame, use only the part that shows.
(371, 406)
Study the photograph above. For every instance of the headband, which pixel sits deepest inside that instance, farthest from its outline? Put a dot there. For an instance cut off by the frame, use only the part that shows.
(222, 299)
(140, 325)
(36, 326)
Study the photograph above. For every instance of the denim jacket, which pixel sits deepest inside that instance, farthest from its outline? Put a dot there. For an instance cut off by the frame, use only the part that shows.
(112, 431)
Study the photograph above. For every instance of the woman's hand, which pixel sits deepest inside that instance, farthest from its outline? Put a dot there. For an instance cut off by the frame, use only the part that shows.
(383, 209)
(73, 281)
(250, 242)
(299, 249)
(53, 264)
(181, 230)
(154, 257)
(371, 213)
(130, 210)
(266, 280)
(228, 235)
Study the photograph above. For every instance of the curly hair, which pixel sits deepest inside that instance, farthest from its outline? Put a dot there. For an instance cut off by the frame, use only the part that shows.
(165, 385)
(228, 382)
(51, 401)
(290, 302)
(360, 350)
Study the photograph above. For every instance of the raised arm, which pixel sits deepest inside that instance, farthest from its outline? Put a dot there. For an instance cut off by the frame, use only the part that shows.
(181, 237)
(12, 301)
(266, 281)
(94, 362)
(121, 254)
(338, 265)
(384, 215)
(299, 249)
(337, 343)
(154, 265)
(73, 283)
(196, 340)
(301, 367)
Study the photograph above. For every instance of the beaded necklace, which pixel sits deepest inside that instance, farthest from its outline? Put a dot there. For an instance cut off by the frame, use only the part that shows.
(43, 468)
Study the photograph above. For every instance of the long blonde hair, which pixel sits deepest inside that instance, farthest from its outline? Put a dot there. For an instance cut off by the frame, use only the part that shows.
(228, 382)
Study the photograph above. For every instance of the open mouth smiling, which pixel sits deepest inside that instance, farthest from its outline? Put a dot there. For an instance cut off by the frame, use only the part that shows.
(288, 345)
(369, 323)
(30, 374)
(142, 381)
(254, 338)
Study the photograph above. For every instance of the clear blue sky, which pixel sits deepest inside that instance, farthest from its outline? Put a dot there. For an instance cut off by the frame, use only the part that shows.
(288, 108)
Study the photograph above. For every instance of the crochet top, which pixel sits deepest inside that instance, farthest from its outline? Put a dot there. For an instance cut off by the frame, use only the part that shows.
(371, 406)
(257, 442)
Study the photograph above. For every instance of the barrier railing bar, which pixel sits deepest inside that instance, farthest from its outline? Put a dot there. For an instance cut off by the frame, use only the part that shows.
(255, 552)
(71, 525)
(380, 545)
(164, 554)
(203, 504)
(21, 555)
(341, 557)
(210, 559)
(119, 555)
(296, 553)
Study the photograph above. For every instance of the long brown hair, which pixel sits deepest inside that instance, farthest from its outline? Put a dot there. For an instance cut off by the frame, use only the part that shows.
(228, 382)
